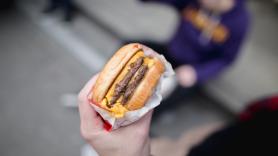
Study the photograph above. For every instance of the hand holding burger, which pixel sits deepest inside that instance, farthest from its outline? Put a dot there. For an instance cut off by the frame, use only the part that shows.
(129, 140)
(124, 85)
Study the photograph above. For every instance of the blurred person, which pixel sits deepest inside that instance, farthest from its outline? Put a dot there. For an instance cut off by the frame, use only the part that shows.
(254, 132)
(207, 41)
(66, 5)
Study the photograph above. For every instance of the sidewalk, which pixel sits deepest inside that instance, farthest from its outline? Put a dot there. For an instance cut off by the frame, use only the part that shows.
(132, 18)
(35, 72)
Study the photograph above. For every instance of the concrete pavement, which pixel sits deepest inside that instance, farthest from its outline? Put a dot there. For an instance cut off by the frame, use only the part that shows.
(35, 72)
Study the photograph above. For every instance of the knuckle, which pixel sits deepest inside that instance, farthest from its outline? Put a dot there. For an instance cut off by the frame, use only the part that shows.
(80, 97)
(88, 136)
(84, 133)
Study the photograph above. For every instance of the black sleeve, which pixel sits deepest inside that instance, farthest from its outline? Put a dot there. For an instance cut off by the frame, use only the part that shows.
(178, 4)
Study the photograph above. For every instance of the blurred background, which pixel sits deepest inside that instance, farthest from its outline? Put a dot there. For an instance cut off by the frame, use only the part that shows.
(46, 56)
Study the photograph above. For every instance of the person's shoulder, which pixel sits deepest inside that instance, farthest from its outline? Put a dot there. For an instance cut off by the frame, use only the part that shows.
(239, 14)
(238, 21)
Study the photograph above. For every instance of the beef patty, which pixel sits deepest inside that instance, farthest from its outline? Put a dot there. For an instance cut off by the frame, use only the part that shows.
(127, 86)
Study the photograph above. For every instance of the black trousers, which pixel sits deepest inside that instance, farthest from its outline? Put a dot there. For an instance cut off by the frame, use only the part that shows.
(66, 5)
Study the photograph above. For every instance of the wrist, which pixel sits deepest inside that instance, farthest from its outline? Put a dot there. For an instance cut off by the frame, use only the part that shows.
(144, 150)
(147, 149)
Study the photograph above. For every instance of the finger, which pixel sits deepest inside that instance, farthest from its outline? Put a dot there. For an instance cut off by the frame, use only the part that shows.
(84, 104)
(87, 88)
(90, 121)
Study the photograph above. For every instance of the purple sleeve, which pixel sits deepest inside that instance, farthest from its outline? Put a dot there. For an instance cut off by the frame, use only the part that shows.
(229, 51)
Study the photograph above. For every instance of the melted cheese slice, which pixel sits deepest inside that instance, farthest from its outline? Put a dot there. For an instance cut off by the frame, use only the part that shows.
(118, 110)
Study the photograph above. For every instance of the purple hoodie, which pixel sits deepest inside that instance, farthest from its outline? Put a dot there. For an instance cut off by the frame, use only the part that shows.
(208, 55)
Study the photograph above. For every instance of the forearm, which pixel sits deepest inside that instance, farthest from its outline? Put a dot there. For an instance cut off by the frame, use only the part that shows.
(133, 148)
(144, 150)
(147, 149)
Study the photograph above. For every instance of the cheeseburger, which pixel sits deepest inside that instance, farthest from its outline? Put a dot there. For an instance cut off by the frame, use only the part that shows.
(127, 80)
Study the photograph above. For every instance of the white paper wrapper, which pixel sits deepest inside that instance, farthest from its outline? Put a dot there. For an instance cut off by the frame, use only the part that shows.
(153, 101)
